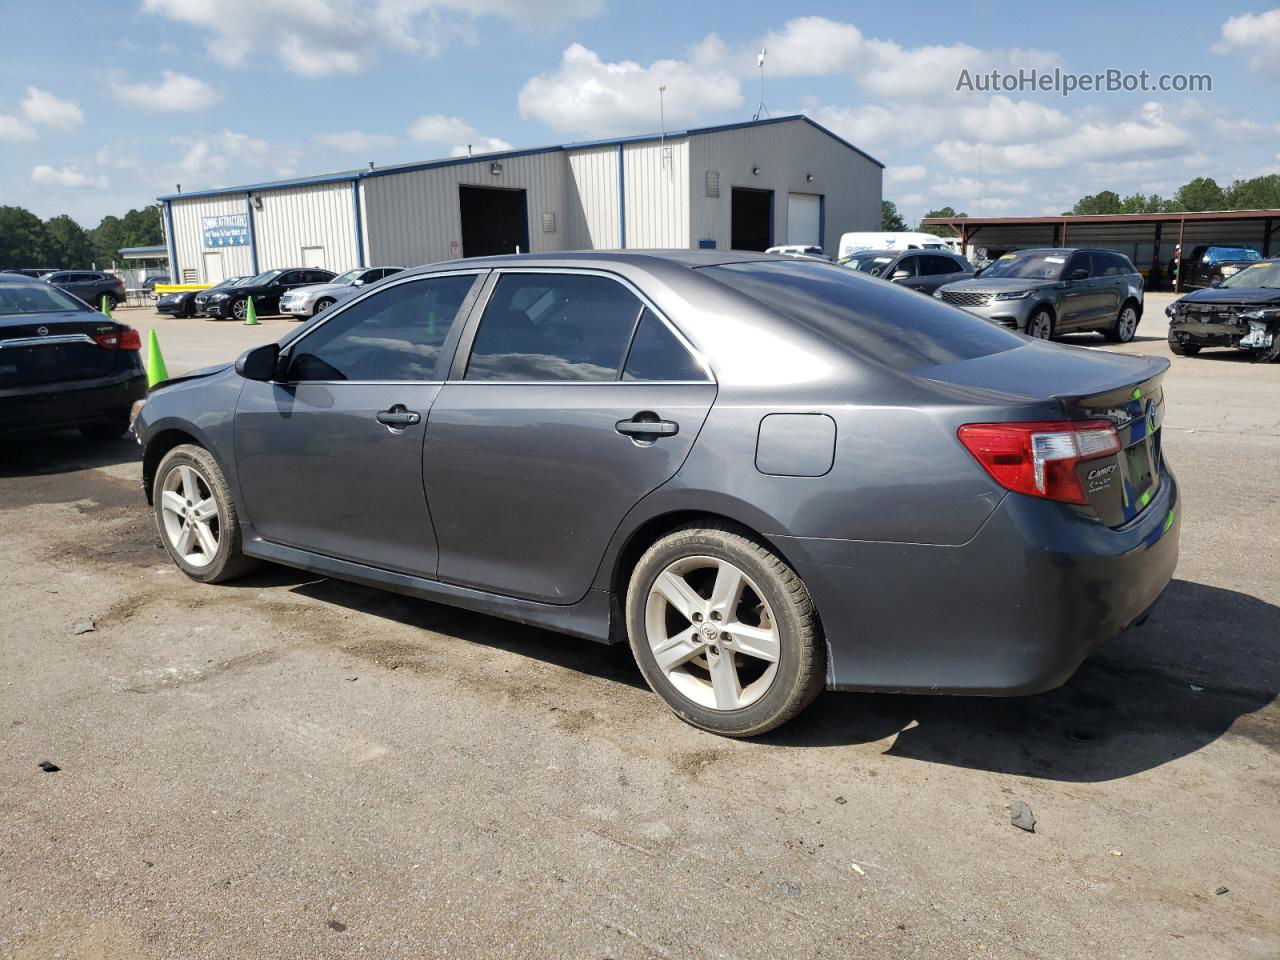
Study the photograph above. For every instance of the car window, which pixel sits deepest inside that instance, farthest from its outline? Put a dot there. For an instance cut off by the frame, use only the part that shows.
(21, 298)
(1111, 265)
(1079, 261)
(394, 334)
(319, 276)
(552, 327)
(936, 266)
(656, 354)
(885, 322)
(909, 264)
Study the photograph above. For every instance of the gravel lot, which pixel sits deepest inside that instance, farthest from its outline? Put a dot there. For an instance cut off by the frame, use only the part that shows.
(292, 767)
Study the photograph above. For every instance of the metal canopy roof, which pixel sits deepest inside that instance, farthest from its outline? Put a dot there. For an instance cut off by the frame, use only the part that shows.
(1104, 218)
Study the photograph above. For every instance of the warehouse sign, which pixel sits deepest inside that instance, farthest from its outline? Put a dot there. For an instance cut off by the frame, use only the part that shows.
(231, 230)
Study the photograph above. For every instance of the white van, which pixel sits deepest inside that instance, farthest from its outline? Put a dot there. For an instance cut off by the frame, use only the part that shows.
(851, 243)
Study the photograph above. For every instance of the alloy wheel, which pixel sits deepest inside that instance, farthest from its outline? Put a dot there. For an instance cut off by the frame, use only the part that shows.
(712, 633)
(190, 515)
(1041, 326)
(1128, 325)
(239, 309)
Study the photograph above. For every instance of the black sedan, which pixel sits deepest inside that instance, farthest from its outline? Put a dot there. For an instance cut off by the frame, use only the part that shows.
(921, 270)
(63, 364)
(266, 289)
(187, 303)
(1242, 312)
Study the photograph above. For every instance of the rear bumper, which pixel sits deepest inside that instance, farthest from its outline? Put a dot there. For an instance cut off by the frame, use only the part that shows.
(1013, 611)
(57, 405)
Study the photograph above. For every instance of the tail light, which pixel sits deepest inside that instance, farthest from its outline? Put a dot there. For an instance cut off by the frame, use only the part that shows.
(126, 338)
(1040, 459)
(119, 282)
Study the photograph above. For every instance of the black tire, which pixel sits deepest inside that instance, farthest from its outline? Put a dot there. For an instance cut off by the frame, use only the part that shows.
(1121, 331)
(1272, 353)
(228, 561)
(1182, 349)
(1041, 319)
(239, 309)
(323, 304)
(106, 430)
(801, 663)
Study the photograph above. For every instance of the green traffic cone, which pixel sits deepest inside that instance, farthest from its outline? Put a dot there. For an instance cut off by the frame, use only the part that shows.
(156, 370)
(106, 307)
(250, 313)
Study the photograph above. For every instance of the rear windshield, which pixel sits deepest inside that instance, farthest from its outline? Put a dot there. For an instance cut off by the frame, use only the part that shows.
(890, 324)
(20, 298)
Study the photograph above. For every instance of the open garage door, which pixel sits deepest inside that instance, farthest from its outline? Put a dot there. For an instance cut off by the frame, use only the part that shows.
(804, 219)
(494, 221)
(751, 227)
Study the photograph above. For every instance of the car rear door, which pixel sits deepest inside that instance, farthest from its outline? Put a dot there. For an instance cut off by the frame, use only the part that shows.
(329, 459)
(571, 398)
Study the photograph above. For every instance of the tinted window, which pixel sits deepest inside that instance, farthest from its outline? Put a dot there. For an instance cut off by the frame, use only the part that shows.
(887, 323)
(20, 298)
(911, 265)
(319, 276)
(540, 326)
(1078, 261)
(395, 334)
(656, 354)
(935, 266)
(1111, 264)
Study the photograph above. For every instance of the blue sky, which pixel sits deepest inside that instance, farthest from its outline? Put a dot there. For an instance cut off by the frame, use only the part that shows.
(104, 105)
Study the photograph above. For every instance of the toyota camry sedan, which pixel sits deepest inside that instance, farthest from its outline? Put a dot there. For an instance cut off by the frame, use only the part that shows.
(769, 476)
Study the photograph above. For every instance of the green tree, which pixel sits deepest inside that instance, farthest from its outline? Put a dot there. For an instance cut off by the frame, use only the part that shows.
(940, 231)
(1259, 193)
(1108, 201)
(69, 245)
(24, 242)
(1202, 193)
(137, 228)
(890, 219)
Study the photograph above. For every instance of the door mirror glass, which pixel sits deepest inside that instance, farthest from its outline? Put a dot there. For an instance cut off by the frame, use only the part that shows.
(1078, 274)
(259, 363)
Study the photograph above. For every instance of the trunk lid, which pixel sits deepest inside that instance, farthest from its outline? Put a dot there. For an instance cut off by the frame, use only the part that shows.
(54, 347)
(1089, 385)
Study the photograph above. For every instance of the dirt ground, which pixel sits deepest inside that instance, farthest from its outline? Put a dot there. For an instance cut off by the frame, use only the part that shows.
(293, 767)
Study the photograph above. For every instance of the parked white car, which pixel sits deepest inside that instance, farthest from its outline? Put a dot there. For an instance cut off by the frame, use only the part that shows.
(851, 243)
(798, 250)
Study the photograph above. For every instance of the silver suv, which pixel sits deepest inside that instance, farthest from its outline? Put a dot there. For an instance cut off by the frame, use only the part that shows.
(1049, 291)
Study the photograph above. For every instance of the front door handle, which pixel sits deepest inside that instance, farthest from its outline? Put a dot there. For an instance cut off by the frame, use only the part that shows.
(399, 416)
(647, 426)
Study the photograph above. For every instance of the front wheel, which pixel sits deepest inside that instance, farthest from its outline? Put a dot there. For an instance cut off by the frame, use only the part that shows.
(1126, 325)
(240, 309)
(196, 517)
(1040, 325)
(724, 631)
(323, 304)
(1179, 349)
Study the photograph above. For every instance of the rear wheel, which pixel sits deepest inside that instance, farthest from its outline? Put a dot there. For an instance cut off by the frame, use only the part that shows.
(1125, 327)
(196, 518)
(724, 631)
(1040, 325)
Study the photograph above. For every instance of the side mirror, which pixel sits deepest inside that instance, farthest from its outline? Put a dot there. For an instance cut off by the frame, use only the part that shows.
(1215, 281)
(1079, 274)
(357, 283)
(900, 275)
(259, 363)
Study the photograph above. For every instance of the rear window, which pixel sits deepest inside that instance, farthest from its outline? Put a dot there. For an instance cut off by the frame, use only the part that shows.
(22, 298)
(887, 323)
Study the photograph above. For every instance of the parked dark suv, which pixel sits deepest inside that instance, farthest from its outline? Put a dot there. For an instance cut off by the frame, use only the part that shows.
(1049, 291)
(89, 285)
(923, 271)
(266, 289)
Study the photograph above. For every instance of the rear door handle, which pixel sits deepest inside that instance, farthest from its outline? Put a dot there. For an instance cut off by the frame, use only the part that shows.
(399, 416)
(647, 426)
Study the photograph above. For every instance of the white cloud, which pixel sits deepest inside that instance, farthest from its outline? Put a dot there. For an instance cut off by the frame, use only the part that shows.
(1257, 34)
(174, 92)
(44, 175)
(322, 37)
(47, 110)
(15, 130)
(998, 119)
(905, 174)
(215, 160)
(587, 95)
(455, 133)
(355, 141)
(811, 46)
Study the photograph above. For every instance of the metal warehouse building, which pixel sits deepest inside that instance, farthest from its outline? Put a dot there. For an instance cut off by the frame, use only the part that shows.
(742, 186)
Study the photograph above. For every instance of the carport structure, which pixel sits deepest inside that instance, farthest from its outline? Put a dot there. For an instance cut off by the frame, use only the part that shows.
(1148, 239)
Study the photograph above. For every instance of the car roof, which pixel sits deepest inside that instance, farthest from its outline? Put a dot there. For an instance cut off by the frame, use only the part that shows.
(603, 259)
(876, 253)
(19, 278)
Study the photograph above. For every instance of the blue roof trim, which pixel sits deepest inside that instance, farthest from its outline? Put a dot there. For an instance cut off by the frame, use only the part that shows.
(356, 175)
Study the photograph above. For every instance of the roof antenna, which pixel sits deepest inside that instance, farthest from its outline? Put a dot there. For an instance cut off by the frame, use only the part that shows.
(761, 109)
(370, 164)
(468, 149)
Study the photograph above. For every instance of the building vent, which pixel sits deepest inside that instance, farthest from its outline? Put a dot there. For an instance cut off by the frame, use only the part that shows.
(549, 222)
(189, 275)
(713, 183)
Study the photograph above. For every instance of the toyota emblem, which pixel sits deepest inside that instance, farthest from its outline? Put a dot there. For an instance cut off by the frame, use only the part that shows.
(42, 331)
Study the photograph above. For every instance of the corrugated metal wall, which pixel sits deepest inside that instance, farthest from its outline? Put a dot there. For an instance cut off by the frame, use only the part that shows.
(657, 194)
(592, 216)
(786, 154)
(310, 216)
(188, 236)
(413, 217)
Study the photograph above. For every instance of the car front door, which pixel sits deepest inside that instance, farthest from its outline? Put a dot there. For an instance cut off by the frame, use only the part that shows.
(570, 399)
(329, 459)
(906, 272)
(1077, 302)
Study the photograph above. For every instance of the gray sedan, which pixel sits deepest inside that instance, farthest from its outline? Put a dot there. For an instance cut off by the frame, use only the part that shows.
(768, 475)
(1050, 291)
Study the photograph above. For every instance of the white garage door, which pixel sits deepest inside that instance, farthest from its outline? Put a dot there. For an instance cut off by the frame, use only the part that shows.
(804, 218)
(213, 268)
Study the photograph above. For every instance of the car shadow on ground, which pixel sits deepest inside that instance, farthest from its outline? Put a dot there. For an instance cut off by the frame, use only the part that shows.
(1205, 663)
(42, 454)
